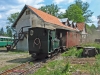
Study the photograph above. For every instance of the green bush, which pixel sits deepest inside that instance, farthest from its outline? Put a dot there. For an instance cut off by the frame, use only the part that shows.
(73, 52)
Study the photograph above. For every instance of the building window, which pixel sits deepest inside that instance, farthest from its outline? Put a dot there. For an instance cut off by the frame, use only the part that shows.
(27, 12)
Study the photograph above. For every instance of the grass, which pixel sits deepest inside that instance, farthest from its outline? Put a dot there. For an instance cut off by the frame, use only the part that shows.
(52, 68)
(7, 67)
(11, 59)
(73, 52)
(64, 66)
(96, 45)
(95, 69)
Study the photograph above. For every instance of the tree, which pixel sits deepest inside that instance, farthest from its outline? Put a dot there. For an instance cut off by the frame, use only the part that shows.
(74, 13)
(1, 31)
(11, 19)
(88, 28)
(93, 28)
(51, 9)
(98, 17)
(9, 31)
(84, 6)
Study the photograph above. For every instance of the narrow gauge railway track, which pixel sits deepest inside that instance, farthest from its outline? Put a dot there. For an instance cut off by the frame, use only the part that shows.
(27, 68)
(22, 69)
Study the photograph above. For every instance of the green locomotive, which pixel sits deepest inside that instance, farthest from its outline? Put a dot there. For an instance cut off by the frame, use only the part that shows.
(42, 42)
(4, 41)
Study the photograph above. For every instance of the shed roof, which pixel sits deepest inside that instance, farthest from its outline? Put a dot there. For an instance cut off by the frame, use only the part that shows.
(81, 26)
(44, 16)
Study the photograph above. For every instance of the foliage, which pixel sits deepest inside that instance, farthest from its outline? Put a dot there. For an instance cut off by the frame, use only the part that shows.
(88, 28)
(73, 52)
(84, 6)
(74, 13)
(50, 9)
(9, 31)
(98, 17)
(93, 28)
(95, 69)
(55, 67)
(11, 19)
(78, 12)
(1, 31)
(64, 67)
(96, 45)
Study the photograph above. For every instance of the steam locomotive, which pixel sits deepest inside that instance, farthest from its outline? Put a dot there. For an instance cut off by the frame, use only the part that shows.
(43, 42)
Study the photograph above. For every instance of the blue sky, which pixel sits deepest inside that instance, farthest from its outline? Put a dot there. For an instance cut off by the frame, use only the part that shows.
(8, 7)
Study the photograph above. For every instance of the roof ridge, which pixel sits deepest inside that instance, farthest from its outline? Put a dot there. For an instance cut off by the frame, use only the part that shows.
(49, 18)
(42, 11)
(44, 16)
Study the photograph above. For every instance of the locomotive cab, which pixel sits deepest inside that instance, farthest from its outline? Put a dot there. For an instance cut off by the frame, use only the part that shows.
(42, 42)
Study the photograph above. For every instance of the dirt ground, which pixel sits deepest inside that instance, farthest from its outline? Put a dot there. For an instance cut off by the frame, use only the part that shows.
(11, 59)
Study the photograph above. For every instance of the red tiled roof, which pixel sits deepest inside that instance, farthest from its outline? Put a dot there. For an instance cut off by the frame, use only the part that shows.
(48, 18)
(81, 26)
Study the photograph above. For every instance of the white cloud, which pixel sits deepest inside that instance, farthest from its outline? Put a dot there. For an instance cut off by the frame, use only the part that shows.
(94, 19)
(63, 1)
(0, 16)
(86, 1)
(3, 24)
(70, 1)
(62, 10)
(58, 1)
(35, 3)
(2, 7)
(12, 11)
(38, 5)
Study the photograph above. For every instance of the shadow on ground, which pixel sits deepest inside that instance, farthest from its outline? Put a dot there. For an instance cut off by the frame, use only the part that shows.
(3, 50)
(20, 60)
